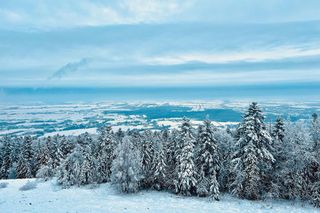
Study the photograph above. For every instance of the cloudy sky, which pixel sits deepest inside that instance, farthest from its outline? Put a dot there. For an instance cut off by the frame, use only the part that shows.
(109, 43)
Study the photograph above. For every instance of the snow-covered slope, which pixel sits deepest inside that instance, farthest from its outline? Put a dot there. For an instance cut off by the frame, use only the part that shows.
(48, 197)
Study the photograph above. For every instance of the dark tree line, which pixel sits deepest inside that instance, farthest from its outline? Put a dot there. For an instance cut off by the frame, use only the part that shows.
(250, 161)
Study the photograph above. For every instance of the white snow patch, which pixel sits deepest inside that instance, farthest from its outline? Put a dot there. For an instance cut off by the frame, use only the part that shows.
(48, 197)
(73, 132)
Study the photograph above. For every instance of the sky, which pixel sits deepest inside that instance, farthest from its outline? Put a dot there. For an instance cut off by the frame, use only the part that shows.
(158, 43)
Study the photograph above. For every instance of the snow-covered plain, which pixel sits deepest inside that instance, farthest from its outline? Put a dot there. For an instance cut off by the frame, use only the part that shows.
(49, 197)
(74, 119)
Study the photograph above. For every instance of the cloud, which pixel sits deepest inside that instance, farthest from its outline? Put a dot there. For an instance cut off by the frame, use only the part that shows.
(73, 13)
(42, 14)
(160, 54)
(252, 11)
(278, 53)
(68, 68)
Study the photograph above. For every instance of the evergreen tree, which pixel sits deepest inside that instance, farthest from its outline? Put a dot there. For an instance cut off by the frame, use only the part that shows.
(105, 153)
(70, 169)
(159, 166)
(1, 152)
(25, 162)
(186, 171)
(172, 151)
(42, 155)
(315, 130)
(278, 130)
(65, 147)
(52, 144)
(127, 167)
(88, 171)
(252, 159)
(208, 161)
(147, 158)
(297, 159)
(6, 160)
(315, 194)
(314, 170)
(278, 135)
(226, 144)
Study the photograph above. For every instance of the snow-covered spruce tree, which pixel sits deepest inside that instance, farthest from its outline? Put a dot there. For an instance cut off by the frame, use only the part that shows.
(207, 161)
(252, 160)
(70, 169)
(315, 193)
(147, 153)
(315, 169)
(172, 151)
(1, 152)
(186, 181)
(16, 146)
(298, 158)
(105, 156)
(25, 162)
(315, 130)
(278, 134)
(278, 130)
(88, 171)
(159, 165)
(65, 147)
(52, 144)
(79, 168)
(42, 155)
(6, 160)
(127, 167)
(119, 134)
(226, 144)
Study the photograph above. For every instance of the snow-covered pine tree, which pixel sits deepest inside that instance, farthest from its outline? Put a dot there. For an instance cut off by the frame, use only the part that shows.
(105, 153)
(88, 171)
(252, 159)
(25, 162)
(278, 130)
(127, 167)
(16, 146)
(186, 181)
(208, 161)
(159, 165)
(65, 147)
(226, 144)
(119, 134)
(315, 130)
(315, 169)
(42, 155)
(315, 193)
(147, 158)
(6, 160)
(171, 147)
(297, 158)
(278, 134)
(52, 144)
(1, 152)
(84, 139)
(70, 168)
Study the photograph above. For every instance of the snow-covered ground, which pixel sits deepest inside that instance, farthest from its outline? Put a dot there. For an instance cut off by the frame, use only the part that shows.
(48, 197)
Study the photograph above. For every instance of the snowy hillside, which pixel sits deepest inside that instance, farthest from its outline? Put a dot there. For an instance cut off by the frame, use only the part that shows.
(48, 197)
